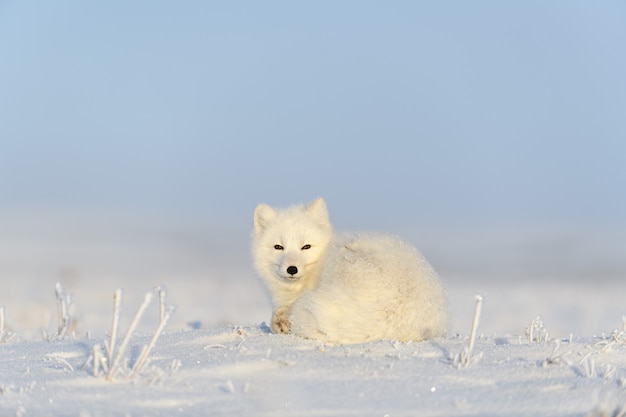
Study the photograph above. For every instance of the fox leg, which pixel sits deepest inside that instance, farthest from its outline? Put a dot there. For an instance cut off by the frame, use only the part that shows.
(280, 322)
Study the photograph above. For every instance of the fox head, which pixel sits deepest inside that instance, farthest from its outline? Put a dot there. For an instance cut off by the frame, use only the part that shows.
(289, 244)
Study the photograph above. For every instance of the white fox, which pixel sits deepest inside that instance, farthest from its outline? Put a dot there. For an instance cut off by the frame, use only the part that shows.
(344, 288)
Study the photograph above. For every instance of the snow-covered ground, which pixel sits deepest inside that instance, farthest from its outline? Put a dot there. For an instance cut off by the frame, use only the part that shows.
(244, 370)
(218, 358)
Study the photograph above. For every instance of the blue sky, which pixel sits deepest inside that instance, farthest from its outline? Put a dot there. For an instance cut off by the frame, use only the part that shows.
(420, 113)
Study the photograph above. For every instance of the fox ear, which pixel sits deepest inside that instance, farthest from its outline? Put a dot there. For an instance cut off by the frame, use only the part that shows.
(263, 214)
(317, 209)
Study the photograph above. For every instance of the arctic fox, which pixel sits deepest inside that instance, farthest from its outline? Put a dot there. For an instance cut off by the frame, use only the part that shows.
(344, 288)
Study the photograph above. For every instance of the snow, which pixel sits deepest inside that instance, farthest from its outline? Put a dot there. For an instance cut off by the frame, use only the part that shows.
(217, 357)
(245, 370)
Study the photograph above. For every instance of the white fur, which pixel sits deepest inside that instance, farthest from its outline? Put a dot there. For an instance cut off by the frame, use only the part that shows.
(349, 288)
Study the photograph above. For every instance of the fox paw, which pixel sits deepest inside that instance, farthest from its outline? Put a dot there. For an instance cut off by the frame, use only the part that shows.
(280, 322)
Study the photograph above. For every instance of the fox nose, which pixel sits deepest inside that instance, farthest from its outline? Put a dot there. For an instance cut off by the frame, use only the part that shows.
(292, 270)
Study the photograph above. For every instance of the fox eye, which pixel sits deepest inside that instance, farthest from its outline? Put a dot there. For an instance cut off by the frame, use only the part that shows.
(278, 247)
(305, 247)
